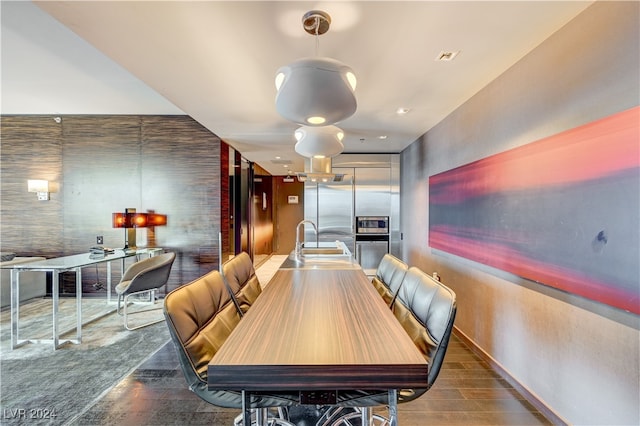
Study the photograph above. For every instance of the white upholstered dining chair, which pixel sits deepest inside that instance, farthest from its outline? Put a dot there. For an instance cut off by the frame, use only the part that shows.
(144, 276)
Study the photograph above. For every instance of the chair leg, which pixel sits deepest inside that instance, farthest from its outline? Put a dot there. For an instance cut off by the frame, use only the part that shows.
(367, 416)
(126, 313)
(283, 412)
(262, 417)
(363, 417)
(331, 413)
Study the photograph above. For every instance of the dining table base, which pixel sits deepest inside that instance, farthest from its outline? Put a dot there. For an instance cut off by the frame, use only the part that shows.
(364, 413)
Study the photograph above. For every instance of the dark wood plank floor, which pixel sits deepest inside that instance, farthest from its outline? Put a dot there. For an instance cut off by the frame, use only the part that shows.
(467, 392)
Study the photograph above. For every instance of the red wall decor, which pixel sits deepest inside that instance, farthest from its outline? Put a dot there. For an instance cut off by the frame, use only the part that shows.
(563, 211)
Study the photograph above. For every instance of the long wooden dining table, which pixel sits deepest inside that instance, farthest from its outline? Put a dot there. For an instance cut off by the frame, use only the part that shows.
(318, 329)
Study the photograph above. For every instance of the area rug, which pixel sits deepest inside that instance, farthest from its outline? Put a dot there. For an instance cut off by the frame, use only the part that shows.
(41, 386)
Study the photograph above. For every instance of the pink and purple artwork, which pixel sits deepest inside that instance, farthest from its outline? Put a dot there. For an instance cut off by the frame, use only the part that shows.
(563, 211)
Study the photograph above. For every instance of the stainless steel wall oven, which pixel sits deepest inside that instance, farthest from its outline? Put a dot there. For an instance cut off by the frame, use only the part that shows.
(372, 241)
(372, 225)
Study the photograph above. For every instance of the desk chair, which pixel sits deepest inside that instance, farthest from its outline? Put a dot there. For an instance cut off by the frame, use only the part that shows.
(243, 282)
(144, 276)
(388, 278)
(426, 309)
(200, 317)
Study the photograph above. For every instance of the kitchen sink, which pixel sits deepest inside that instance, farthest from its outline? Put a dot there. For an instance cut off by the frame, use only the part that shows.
(323, 255)
(319, 262)
(310, 251)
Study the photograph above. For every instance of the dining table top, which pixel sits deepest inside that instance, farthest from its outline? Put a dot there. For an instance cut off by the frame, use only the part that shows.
(313, 329)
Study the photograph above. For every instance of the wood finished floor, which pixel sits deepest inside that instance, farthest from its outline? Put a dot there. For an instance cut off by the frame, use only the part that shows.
(467, 392)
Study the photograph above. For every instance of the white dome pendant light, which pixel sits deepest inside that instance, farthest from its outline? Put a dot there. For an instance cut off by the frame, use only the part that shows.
(316, 91)
(319, 142)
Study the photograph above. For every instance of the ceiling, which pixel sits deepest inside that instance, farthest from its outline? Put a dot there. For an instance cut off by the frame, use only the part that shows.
(216, 61)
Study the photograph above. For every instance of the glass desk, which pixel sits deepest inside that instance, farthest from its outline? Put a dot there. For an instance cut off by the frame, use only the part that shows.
(57, 266)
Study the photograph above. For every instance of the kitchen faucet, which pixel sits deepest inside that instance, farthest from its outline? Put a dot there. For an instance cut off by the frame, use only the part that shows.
(298, 244)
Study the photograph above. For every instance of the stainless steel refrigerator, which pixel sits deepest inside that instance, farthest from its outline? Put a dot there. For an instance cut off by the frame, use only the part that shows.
(330, 206)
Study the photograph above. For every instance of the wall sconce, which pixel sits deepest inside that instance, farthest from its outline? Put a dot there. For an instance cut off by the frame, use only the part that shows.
(40, 187)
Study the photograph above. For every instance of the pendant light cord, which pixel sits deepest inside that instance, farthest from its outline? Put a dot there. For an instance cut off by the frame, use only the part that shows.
(317, 38)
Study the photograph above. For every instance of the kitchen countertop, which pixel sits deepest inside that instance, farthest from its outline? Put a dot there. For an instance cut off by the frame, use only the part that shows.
(321, 261)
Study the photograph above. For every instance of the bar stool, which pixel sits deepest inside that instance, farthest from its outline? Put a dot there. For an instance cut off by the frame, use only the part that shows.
(243, 282)
(200, 317)
(426, 308)
(389, 276)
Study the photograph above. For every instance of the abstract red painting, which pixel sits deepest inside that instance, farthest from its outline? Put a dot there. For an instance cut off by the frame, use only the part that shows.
(563, 211)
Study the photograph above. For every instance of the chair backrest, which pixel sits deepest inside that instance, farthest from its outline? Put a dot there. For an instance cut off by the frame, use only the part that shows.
(241, 277)
(426, 309)
(389, 276)
(149, 273)
(200, 317)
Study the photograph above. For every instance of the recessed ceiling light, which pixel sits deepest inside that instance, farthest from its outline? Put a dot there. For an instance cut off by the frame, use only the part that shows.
(402, 111)
(446, 55)
(286, 166)
(278, 157)
(382, 137)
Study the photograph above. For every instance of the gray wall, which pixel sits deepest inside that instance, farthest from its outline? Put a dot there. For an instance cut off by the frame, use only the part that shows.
(579, 358)
(102, 164)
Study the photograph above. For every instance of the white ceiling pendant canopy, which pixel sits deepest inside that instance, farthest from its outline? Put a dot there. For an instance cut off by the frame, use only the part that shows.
(316, 91)
(319, 142)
